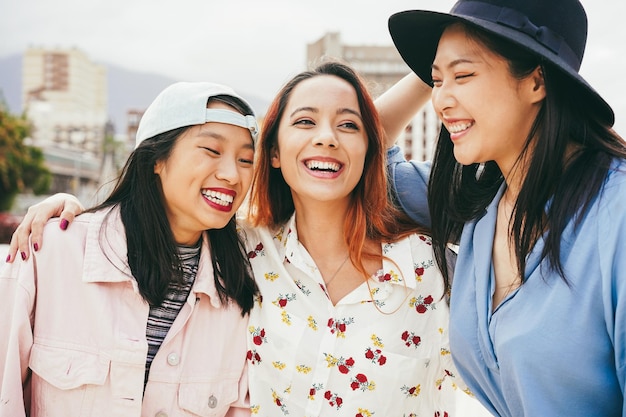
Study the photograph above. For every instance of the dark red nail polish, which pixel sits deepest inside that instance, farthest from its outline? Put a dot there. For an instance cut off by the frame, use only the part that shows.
(64, 224)
(23, 256)
(8, 258)
(36, 246)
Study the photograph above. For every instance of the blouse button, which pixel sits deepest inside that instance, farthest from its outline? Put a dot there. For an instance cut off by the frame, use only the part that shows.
(212, 401)
(173, 359)
(161, 414)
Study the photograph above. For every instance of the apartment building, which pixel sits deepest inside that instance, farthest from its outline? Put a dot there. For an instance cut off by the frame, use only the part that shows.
(65, 97)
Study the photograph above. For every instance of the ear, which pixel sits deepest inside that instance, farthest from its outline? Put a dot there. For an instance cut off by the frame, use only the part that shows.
(537, 85)
(158, 167)
(275, 157)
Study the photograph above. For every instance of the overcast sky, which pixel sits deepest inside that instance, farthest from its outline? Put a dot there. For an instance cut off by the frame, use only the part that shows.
(256, 45)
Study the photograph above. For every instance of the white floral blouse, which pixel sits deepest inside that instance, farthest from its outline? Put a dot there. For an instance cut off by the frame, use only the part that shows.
(380, 351)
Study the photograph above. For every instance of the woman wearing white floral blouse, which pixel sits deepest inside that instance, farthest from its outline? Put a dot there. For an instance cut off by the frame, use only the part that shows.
(352, 319)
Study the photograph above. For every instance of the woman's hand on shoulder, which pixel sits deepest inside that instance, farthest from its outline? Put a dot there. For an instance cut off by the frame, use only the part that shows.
(61, 205)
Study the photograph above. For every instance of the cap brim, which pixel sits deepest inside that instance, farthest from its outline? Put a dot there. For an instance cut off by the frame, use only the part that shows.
(416, 35)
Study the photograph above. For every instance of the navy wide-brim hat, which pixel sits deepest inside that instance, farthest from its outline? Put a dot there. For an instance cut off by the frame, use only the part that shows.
(553, 29)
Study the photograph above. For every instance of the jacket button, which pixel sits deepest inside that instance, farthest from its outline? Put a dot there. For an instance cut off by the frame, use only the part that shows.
(212, 401)
(173, 359)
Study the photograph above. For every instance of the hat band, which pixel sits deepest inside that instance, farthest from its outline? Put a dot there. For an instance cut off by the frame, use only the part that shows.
(233, 118)
(518, 21)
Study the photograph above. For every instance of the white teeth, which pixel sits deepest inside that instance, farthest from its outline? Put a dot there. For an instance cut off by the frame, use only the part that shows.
(323, 166)
(218, 198)
(459, 127)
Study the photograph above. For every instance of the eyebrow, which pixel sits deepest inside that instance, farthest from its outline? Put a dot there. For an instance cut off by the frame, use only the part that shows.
(315, 110)
(222, 138)
(455, 63)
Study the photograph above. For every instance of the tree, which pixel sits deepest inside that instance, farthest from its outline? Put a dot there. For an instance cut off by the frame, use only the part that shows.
(22, 167)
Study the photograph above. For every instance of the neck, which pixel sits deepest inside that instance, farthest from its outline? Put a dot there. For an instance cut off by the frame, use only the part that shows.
(320, 229)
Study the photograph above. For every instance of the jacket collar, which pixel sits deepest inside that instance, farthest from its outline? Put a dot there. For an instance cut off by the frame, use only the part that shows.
(106, 256)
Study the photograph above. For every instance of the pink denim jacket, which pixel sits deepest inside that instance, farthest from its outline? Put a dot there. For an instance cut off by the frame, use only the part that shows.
(73, 335)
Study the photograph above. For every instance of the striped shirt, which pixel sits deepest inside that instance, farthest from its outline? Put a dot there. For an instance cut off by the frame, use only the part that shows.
(161, 317)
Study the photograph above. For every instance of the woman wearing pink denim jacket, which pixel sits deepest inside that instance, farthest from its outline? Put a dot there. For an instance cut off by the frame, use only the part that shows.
(124, 316)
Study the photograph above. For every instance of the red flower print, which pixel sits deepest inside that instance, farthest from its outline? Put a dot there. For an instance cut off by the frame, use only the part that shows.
(257, 250)
(278, 403)
(376, 356)
(411, 339)
(419, 271)
(360, 382)
(343, 369)
(258, 335)
(339, 401)
(339, 326)
(350, 361)
(253, 357)
(282, 300)
(422, 304)
(312, 392)
(328, 395)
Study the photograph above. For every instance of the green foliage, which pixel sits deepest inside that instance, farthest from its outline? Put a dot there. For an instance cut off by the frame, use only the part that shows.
(22, 167)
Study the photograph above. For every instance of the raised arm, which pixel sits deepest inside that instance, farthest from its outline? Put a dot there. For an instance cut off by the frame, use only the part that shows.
(398, 105)
(61, 204)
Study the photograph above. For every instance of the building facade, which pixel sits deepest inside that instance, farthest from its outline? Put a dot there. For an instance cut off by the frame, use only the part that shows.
(381, 67)
(65, 97)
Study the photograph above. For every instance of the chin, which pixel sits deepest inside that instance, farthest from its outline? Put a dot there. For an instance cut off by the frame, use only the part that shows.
(464, 159)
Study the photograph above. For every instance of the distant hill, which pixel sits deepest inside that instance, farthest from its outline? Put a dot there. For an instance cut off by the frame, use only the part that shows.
(127, 90)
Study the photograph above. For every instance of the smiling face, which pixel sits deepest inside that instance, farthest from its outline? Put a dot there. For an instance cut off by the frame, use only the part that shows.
(488, 112)
(321, 140)
(206, 177)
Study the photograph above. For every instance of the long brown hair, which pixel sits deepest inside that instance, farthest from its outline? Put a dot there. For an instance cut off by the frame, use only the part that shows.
(371, 215)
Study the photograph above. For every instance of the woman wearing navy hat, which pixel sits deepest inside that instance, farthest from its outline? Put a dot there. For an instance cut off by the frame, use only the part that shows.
(529, 179)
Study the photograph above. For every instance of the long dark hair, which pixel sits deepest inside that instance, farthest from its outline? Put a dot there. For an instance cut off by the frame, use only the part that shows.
(458, 194)
(371, 213)
(152, 251)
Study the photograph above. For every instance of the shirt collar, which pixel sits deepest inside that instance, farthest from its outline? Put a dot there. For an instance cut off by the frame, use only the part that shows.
(398, 267)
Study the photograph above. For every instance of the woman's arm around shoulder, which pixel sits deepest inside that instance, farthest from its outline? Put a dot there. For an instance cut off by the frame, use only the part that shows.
(61, 205)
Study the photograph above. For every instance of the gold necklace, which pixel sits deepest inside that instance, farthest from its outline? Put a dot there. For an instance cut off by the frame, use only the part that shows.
(327, 282)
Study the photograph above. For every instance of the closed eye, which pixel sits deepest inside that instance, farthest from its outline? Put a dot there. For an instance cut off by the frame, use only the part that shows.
(463, 76)
(210, 150)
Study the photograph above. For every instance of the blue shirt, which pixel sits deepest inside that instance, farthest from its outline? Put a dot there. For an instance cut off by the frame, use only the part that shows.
(550, 348)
